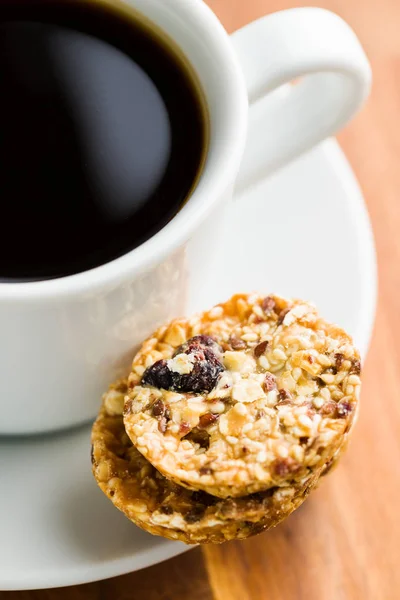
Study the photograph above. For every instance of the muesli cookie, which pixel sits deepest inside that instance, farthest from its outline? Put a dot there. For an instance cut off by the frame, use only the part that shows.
(257, 393)
(161, 507)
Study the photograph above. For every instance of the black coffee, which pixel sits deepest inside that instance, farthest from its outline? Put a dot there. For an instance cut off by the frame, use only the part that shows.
(102, 135)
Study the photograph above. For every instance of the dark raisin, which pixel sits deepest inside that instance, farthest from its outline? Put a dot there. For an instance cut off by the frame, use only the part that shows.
(269, 383)
(201, 497)
(268, 304)
(92, 454)
(339, 358)
(244, 449)
(321, 382)
(260, 349)
(206, 371)
(204, 375)
(195, 515)
(165, 509)
(303, 440)
(207, 420)
(112, 493)
(158, 375)
(236, 343)
(344, 409)
(200, 437)
(257, 496)
(158, 409)
(206, 368)
(282, 315)
(198, 342)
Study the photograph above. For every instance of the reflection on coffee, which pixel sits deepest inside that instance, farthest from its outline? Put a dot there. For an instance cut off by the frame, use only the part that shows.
(103, 134)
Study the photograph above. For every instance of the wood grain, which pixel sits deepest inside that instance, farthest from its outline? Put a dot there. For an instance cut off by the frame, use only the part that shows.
(176, 579)
(344, 543)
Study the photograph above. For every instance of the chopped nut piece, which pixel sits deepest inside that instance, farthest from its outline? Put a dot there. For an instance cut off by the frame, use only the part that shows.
(268, 304)
(247, 390)
(339, 358)
(356, 367)
(329, 409)
(158, 409)
(282, 315)
(182, 363)
(285, 466)
(260, 349)
(237, 343)
(239, 361)
(207, 420)
(175, 335)
(269, 383)
(284, 395)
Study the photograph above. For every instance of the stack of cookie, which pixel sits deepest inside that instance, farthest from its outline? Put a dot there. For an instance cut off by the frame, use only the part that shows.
(227, 420)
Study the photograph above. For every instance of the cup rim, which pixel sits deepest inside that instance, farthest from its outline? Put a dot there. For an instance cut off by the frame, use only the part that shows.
(209, 190)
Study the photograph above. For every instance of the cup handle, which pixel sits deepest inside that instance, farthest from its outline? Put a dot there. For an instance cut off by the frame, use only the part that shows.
(320, 48)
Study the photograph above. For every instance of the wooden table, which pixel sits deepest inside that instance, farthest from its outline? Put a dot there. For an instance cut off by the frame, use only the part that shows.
(344, 543)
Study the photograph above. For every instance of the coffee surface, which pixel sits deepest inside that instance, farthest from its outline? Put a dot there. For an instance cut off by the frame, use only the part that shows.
(102, 136)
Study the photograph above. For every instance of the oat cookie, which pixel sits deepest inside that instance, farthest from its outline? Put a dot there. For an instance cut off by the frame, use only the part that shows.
(161, 507)
(256, 393)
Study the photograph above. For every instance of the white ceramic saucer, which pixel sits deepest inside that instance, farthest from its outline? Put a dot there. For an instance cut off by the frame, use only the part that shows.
(305, 232)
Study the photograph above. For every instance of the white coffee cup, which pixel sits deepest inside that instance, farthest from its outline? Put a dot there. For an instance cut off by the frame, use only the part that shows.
(64, 340)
